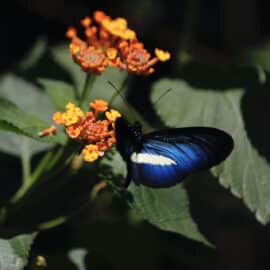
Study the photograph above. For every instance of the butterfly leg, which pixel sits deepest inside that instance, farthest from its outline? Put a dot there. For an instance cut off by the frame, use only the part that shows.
(127, 182)
(128, 178)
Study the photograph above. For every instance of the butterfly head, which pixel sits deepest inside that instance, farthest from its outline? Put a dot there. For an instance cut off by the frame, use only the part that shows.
(136, 130)
(128, 137)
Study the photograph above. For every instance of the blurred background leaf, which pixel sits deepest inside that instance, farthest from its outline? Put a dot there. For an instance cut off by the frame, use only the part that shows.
(59, 92)
(77, 256)
(15, 251)
(31, 100)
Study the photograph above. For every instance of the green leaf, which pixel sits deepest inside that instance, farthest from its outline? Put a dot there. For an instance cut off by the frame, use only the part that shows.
(16, 145)
(14, 252)
(26, 96)
(59, 92)
(27, 124)
(30, 99)
(77, 256)
(245, 171)
(34, 55)
(259, 56)
(167, 208)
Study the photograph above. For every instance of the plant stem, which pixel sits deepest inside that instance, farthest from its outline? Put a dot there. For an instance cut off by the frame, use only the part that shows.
(88, 83)
(31, 179)
(26, 162)
(53, 159)
(191, 19)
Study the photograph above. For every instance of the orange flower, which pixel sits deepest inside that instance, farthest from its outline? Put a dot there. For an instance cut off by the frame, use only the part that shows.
(162, 55)
(90, 153)
(112, 115)
(119, 28)
(109, 42)
(136, 59)
(99, 105)
(70, 117)
(100, 16)
(47, 131)
(98, 135)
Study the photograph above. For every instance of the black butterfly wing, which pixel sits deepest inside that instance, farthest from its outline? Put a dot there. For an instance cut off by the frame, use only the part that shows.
(166, 157)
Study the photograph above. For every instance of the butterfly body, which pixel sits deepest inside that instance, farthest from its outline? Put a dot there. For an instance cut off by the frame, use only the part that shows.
(164, 158)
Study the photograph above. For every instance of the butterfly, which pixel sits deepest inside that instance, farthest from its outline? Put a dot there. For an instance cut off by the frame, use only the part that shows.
(164, 158)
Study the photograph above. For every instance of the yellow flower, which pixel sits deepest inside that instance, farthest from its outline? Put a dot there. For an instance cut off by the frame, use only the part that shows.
(112, 53)
(71, 116)
(118, 27)
(162, 55)
(112, 115)
(90, 152)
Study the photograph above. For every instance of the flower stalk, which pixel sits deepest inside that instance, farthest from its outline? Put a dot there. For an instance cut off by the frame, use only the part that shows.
(88, 86)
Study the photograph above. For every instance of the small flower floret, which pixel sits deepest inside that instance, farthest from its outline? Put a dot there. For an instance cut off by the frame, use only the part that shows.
(99, 105)
(47, 131)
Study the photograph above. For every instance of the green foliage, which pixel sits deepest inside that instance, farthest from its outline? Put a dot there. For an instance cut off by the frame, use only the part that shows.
(25, 123)
(77, 256)
(167, 208)
(14, 252)
(23, 115)
(245, 172)
(258, 56)
(59, 92)
(31, 104)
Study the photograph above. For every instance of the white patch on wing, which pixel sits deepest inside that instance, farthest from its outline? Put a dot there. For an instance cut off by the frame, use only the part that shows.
(151, 159)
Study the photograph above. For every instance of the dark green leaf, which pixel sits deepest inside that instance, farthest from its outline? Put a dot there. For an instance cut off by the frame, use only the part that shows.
(245, 171)
(31, 99)
(167, 208)
(34, 54)
(25, 123)
(259, 56)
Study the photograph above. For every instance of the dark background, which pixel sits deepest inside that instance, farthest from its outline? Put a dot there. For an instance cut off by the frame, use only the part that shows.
(215, 33)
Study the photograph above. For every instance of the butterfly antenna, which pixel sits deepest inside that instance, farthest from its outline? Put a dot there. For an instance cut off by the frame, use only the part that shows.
(162, 95)
(130, 108)
(118, 92)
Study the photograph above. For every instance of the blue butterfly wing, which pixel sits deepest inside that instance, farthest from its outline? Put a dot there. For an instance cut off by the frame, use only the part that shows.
(166, 157)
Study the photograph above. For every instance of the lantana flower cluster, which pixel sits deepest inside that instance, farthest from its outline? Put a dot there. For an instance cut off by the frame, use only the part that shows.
(109, 42)
(88, 127)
